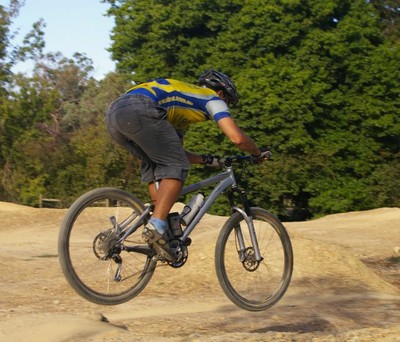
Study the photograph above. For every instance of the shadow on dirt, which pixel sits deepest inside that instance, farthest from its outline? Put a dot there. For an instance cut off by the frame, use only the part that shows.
(316, 325)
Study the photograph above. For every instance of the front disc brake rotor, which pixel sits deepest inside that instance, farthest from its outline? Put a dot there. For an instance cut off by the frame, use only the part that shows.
(250, 263)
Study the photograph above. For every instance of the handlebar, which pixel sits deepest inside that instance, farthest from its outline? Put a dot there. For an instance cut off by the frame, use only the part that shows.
(228, 161)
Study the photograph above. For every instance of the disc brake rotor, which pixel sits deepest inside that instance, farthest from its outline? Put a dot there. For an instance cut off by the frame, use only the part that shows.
(250, 263)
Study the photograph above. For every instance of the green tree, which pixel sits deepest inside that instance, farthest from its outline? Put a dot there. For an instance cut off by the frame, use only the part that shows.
(6, 17)
(54, 141)
(389, 11)
(89, 158)
(318, 84)
(32, 124)
(164, 37)
(309, 73)
(12, 125)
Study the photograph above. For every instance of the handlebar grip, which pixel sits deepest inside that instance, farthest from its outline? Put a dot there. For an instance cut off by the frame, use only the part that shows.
(264, 155)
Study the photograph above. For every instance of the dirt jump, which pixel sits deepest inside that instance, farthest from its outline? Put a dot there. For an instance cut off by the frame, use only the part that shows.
(345, 287)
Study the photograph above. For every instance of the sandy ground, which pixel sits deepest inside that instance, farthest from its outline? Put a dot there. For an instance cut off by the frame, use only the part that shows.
(343, 287)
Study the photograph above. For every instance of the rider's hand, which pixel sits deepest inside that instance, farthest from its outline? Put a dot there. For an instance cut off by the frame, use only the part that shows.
(264, 155)
(211, 161)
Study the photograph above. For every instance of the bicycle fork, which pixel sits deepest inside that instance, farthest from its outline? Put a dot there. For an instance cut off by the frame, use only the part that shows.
(253, 236)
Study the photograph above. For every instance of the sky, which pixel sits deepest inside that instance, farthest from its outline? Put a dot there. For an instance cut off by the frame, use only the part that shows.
(71, 26)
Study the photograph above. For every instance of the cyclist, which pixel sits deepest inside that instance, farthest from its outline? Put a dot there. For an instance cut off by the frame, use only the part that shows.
(150, 120)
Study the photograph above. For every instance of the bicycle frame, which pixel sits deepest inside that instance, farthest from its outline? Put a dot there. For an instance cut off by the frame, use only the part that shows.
(225, 180)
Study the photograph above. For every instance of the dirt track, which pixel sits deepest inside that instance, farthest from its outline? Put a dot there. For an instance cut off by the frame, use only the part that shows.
(343, 287)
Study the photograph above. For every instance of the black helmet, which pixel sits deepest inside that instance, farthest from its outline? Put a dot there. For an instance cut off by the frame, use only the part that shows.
(218, 81)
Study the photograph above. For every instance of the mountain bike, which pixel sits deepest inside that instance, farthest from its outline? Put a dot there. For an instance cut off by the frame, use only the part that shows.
(105, 260)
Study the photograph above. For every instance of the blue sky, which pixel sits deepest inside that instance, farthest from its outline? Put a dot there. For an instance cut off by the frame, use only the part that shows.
(71, 26)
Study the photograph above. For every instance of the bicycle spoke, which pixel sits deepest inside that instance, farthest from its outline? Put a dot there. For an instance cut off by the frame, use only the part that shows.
(95, 264)
(251, 284)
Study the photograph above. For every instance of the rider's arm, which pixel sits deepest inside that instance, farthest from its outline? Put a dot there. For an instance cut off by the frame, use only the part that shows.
(239, 138)
(194, 158)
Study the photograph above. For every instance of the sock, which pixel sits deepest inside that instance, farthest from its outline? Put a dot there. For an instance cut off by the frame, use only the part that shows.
(160, 225)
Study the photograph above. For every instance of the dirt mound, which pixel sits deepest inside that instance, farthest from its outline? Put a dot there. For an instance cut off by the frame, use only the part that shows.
(334, 295)
(369, 233)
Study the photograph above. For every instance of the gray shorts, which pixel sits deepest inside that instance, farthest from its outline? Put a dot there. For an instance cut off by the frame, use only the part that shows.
(139, 125)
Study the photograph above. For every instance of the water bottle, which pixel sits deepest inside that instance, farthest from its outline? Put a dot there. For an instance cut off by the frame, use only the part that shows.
(191, 209)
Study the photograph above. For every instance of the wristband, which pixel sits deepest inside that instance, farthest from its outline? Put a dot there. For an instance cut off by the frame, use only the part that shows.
(204, 158)
(258, 156)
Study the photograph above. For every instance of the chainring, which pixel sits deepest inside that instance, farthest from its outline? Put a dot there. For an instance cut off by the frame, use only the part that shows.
(180, 251)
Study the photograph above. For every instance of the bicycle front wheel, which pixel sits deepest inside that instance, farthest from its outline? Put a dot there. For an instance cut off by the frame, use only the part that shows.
(93, 264)
(251, 284)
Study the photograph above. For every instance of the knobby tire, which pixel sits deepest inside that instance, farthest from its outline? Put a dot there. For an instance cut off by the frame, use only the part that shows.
(86, 236)
(249, 285)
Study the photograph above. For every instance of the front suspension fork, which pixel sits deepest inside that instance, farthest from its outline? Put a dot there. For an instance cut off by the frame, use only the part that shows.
(246, 213)
(252, 232)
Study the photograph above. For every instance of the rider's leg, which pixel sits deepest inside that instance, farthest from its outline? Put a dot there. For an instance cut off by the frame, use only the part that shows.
(153, 192)
(164, 198)
(140, 126)
(167, 194)
(155, 230)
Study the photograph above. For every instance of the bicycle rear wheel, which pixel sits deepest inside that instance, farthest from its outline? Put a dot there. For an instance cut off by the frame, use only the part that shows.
(250, 284)
(97, 268)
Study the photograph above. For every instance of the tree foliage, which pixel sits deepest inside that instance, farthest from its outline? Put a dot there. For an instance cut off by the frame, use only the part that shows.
(318, 84)
(164, 37)
(53, 138)
(389, 12)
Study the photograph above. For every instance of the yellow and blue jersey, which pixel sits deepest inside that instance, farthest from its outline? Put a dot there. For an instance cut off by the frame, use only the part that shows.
(185, 103)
